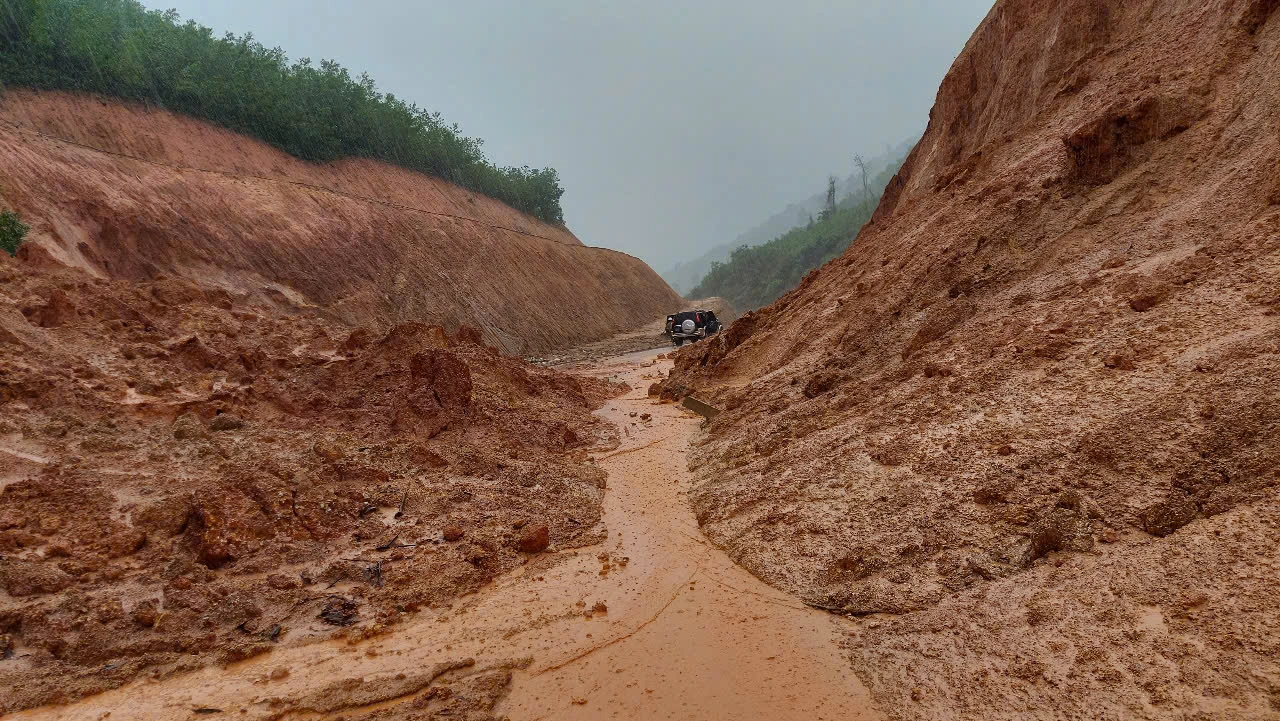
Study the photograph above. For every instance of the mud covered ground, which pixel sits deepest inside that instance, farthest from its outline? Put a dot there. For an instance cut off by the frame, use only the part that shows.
(1026, 428)
(649, 622)
(190, 480)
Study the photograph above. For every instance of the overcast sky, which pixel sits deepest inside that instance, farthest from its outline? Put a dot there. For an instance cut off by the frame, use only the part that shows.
(675, 125)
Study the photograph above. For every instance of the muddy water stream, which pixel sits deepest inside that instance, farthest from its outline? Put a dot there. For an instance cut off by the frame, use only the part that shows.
(678, 631)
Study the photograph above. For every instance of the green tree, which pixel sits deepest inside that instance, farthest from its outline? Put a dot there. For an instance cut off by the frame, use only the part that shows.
(317, 112)
(757, 275)
(12, 231)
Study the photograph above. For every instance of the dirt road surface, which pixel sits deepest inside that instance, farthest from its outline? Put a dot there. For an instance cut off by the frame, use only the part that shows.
(653, 623)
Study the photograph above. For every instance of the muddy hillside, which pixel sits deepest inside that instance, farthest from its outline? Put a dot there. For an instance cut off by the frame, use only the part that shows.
(126, 192)
(1026, 427)
(190, 479)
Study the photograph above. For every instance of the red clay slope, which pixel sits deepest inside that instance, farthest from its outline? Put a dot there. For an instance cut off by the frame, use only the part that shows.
(1028, 425)
(131, 193)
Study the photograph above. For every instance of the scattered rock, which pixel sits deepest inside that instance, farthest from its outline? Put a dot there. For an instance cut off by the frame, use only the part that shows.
(58, 311)
(1119, 361)
(1166, 516)
(26, 578)
(339, 611)
(145, 613)
(535, 539)
(359, 339)
(820, 383)
(226, 422)
(188, 427)
(453, 533)
(282, 582)
(327, 450)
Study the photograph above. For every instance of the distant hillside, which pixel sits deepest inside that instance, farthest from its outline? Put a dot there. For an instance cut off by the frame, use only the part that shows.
(685, 276)
(755, 276)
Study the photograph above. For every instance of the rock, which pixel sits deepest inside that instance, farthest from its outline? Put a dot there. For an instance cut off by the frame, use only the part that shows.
(1166, 516)
(1145, 302)
(359, 339)
(1005, 450)
(327, 450)
(282, 582)
(453, 533)
(58, 311)
(279, 673)
(445, 375)
(535, 539)
(655, 389)
(145, 613)
(1118, 361)
(339, 612)
(226, 422)
(425, 455)
(28, 578)
(820, 383)
(188, 428)
(570, 437)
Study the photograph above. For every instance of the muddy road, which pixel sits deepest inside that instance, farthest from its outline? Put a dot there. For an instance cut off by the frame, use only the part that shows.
(652, 623)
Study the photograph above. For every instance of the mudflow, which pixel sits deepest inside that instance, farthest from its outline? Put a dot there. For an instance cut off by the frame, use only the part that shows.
(1018, 444)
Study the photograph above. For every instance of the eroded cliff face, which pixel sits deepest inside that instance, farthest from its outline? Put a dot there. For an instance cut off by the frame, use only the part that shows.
(1027, 424)
(132, 193)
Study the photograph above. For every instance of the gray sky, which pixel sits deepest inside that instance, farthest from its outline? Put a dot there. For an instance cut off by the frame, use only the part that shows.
(675, 125)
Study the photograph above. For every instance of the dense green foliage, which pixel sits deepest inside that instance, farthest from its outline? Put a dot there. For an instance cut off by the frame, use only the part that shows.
(12, 231)
(757, 275)
(316, 112)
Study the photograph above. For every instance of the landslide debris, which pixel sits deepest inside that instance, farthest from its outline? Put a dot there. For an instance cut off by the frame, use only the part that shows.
(1026, 427)
(188, 478)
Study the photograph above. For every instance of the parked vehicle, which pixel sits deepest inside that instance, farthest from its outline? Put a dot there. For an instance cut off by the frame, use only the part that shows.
(692, 326)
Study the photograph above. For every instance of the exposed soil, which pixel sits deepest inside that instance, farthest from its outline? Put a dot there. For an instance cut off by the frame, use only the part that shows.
(191, 480)
(126, 192)
(1026, 427)
(651, 622)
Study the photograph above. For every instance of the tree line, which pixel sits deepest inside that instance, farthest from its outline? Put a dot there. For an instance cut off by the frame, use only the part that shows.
(755, 276)
(318, 112)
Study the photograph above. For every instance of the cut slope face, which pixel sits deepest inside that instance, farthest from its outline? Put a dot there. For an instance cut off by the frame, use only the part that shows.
(130, 193)
(1031, 412)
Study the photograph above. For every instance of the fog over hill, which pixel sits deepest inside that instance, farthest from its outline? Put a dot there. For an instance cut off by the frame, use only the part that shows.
(685, 275)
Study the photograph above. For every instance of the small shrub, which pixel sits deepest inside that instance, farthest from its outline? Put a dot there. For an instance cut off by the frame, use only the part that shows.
(12, 231)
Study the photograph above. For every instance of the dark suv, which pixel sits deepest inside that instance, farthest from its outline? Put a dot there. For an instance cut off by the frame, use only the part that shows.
(692, 326)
